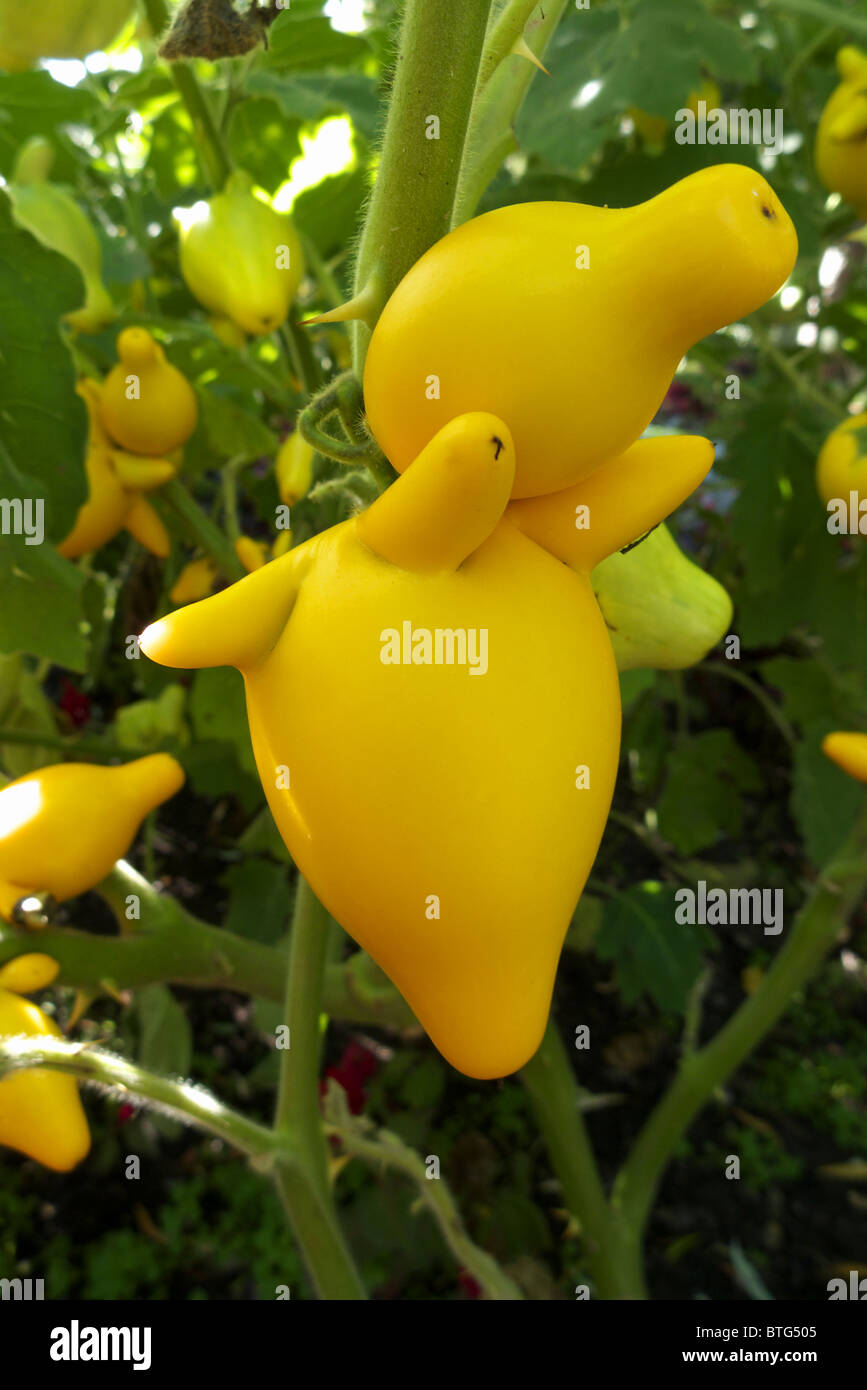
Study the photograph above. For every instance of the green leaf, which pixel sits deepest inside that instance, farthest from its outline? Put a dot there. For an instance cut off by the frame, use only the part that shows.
(43, 423)
(42, 610)
(701, 802)
(652, 953)
(310, 97)
(825, 799)
(328, 213)
(165, 1038)
(233, 431)
(32, 103)
(302, 38)
(218, 711)
(259, 900)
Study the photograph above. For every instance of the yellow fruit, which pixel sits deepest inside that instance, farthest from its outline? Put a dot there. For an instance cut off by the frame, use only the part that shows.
(842, 464)
(229, 334)
(56, 220)
(661, 610)
(452, 831)
(568, 321)
(40, 1112)
(241, 258)
(58, 29)
(63, 828)
(294, 468)
(115, 481)
(26, 974)
(252, 554)
(841, 138)
(653, 129)
(848, 751)
(146, 405)
(195, 581)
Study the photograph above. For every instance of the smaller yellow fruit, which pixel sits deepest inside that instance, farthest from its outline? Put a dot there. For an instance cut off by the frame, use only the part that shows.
(848, 751)
(841, 467)
(252, 554)
(229, 334)
(146, 405)
(196, 580)
(26, 974)
(841, 138)
(294, 468)
(653, 129)
(241, 258)
(40, 1112)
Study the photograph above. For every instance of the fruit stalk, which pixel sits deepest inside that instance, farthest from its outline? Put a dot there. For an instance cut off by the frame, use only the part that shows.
(217, 165)
(410, 208)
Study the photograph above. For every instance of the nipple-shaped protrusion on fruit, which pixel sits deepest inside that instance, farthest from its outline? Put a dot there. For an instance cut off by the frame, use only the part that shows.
(448, 502)
(618, 503)
(146, 405)
(62, 828)
(236, 627)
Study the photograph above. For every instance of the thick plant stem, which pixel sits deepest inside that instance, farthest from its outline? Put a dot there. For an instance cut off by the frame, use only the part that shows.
(304, 1184)
(550, 1083)
(166, 944)
(840, 887)
(216, 162)
(181, 1100)
(411, 204)
(504, 79)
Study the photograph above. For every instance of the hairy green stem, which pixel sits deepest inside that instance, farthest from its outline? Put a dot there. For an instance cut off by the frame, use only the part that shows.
(816, 927)
(551, 1086)
(169, 945)
(410, 208)
(382, 1149)
(503, 81)
(305, 1189)
(181, 1100)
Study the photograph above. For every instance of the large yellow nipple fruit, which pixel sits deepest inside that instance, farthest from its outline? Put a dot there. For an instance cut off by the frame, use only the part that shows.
(451, 834)
(63, 828)
(841, 138)
(568, 321)
(241, 258)
(146, 405)
(57, 29)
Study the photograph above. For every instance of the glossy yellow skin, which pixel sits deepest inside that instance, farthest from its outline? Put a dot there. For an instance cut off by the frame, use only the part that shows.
(841, 138)
(229, 258)
(196, 580)
(40, 1112)
(25, 974)
(56, 220)
(294, 468)
(64, 827)
(163, 414)
(848, 751)
(653, 129)
(454, 788)
(575, 361)
(58, 29)
(842, 464)
(115, 482)
(662, 611)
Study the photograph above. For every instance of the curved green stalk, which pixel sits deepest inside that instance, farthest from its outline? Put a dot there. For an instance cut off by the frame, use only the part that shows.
(410, 208)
